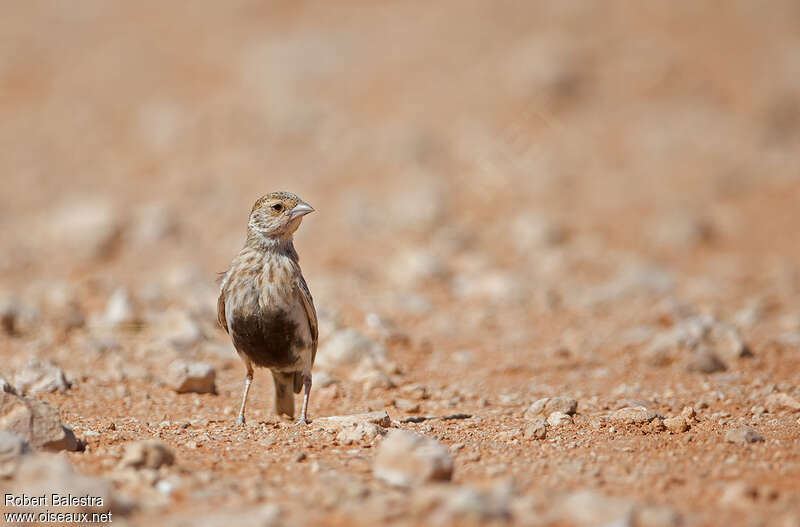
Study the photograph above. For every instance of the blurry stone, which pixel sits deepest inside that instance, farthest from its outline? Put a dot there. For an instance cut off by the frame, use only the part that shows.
(323, 379)
(186, 376)
(704, 360)
(405, 405)
(405, 459)
(266, 515)
(676, 425)
(781, 401)
(152, 223)
(681, 229)
(688, 413)
(588, 509)
(632, 281)
(380, 418)
(61, 301)
(749, 315)
(40, 377)
(790, 322)
(348, 347)
(633, 415)
(36, 422)
(385, 329)
(89, 228)
(12, 447)
(179, 329)
(120, 310)
(9, 312)
(738, 494)
(493, 285)
(531, 231)
(725, 341)
(362, 432)
(548, 405)
(535, 429)
(416, 391)
(743, 435)
(370, 377)
(708, 345)
(41, 474)
(413, 268)
(662, 350)
(442, 504)
(6, 386)
(556, 419)
(150, 453)
(657, 516)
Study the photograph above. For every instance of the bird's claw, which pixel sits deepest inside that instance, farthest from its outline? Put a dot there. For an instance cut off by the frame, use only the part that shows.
(302, 421)
(240, 421)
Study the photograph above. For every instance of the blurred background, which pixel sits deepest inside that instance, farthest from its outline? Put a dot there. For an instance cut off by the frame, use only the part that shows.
(497, 185)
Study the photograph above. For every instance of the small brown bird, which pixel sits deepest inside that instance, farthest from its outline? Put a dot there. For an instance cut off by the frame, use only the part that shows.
(265, 305)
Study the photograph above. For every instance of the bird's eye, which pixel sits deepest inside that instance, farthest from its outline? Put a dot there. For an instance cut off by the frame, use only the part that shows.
(277, 207)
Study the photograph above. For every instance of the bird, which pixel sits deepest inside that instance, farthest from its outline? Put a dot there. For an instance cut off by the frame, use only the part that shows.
(265, 304)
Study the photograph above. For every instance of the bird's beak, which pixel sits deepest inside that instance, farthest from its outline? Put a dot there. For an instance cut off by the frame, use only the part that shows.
(301, 209)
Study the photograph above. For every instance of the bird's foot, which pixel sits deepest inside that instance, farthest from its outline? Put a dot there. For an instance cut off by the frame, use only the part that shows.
(302, 421)
(240, 420)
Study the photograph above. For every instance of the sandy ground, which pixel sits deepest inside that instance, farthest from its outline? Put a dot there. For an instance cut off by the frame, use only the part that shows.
(513, 201)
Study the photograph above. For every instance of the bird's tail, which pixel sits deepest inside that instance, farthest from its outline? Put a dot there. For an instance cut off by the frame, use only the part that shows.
(284, 393)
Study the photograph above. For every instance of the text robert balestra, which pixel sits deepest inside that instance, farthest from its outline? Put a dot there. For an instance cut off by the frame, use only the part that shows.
(52, 500)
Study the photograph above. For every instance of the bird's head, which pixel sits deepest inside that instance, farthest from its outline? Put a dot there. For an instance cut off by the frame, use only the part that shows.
(277, 215)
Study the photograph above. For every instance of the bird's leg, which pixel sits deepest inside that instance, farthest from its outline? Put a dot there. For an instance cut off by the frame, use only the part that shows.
(306, 391)
(247, 381)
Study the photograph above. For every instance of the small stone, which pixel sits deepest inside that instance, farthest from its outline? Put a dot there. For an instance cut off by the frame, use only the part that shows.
(656, 425)
(362, 432)
(37, 422)
(536, 429)
(12, 447)
(548, 405)
(676, 425)
(556, 419)
(633, 415)
(743, 435)
(189, 376)
(380, 418)
(149, 453)
(781, 401)
(40, 377)
(688, 413)
(405, 458)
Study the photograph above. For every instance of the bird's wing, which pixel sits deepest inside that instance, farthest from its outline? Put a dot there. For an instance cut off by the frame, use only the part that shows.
(311, 313)
(221, 309)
